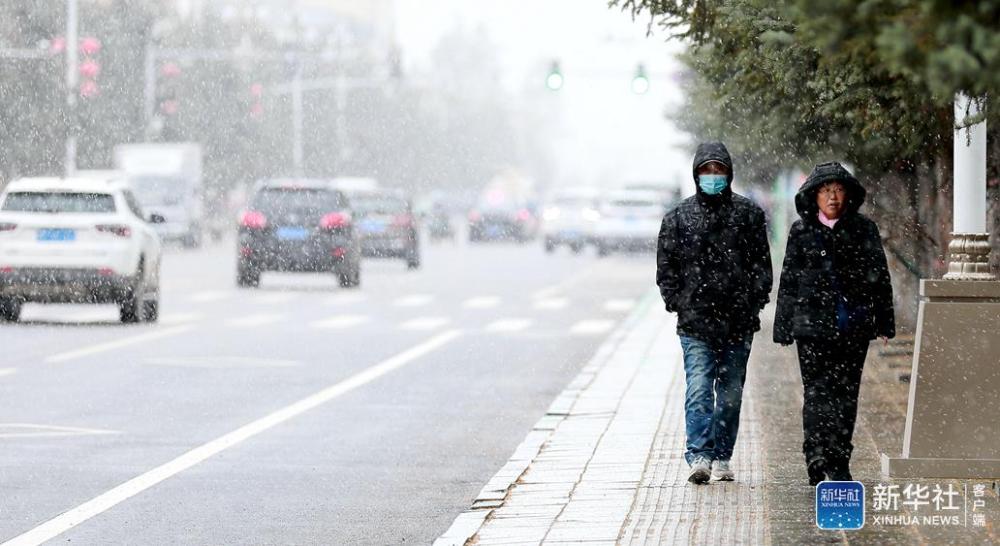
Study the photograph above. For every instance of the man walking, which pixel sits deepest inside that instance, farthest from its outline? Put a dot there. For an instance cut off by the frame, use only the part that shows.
(713, 268)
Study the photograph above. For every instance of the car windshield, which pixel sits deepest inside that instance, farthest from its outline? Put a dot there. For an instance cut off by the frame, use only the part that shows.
(157, 190)
(279, 200)
(378, 204)
(60, 202)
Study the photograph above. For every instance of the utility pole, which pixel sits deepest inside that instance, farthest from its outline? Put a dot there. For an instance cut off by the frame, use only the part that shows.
(72, 80)
(297, 120)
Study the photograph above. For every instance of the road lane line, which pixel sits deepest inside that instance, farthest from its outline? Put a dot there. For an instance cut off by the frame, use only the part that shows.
(105, 501)
(619, 305)
(592, 327)
(7, 371)
(180, 318)
(509, 325)
(118, 343)
(254, 320)
(482, 302)
(415, 300)
(340, 322)
(274, 299)
(551, 304)
(345, 299)
(29, 430)
(553, 290)
(425, 323)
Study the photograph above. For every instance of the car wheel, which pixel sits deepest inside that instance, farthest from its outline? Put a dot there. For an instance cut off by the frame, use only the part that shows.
(576, 248)
(131, 309)
(10, 309)
(247, 275)
(192, 240)
(151, 309)
(603, 250)
(550, 246)
(413, 259)
(350, 278)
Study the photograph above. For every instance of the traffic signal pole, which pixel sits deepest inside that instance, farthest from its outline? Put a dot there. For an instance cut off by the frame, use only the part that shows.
(72, 80)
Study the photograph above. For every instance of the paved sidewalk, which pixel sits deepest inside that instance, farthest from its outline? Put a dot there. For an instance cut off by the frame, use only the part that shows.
(605, 464)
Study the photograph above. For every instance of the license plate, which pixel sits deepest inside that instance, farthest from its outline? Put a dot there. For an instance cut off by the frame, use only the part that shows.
(292, 233)
(56, 235)
(631, 218)
(372, 226)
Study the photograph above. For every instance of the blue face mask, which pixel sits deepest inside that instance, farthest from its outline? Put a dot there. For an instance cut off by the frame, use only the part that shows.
(712, 184)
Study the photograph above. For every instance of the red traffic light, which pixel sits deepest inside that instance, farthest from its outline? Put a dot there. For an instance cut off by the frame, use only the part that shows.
(90, 69)
(170, 70)
(89, 89)
(90, 46)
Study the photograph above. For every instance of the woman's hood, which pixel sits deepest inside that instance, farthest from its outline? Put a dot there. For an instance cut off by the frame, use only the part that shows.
(805, 199)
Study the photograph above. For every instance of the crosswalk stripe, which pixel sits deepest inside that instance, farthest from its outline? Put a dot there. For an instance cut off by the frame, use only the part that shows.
(276, 298)
(7, 371)
(425, 323)
(415, 300)
(210, 295)
(482, 302)
(508, 325)
(551, 304)
(250, 321)
(592, 327)
(340, 321)
(619, 305)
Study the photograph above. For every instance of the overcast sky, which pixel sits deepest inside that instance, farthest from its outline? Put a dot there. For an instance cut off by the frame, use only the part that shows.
(608, 135)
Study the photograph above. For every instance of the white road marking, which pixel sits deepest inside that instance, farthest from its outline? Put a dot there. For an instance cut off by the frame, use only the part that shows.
(619, 305)
(551, 291)
(180, 318)
(101, 503)
(482, 302)
(7, 371)
(210, 295)
(425, 323)
(551, 304)
(340, 321)
(509, 325)
(345, 299)
(254, 320)
(221, 362)
(591, 327)
(123, 342)
(415, 300)
(28, 430)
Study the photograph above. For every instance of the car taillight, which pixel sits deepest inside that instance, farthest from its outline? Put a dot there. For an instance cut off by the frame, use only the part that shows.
(6, 269)
(338, 252)
(253, 219)
(115, 229)
(474, 216)
(523, 215)
(335, 220)
(7, 226)
(403, 220)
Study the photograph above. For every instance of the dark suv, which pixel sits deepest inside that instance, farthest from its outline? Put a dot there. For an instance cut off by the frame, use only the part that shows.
(298, 225)
(387, 226)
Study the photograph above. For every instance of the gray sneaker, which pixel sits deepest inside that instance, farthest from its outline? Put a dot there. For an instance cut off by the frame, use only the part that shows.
(700, 471)
(722, 472)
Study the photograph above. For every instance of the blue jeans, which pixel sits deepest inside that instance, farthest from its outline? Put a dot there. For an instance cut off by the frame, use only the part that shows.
(715, 375)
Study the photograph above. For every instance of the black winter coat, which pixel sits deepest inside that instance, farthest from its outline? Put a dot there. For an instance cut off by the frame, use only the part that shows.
(834, 282)
(713, 261)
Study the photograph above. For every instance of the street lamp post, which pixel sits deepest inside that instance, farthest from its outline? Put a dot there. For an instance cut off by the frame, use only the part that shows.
(951, 426)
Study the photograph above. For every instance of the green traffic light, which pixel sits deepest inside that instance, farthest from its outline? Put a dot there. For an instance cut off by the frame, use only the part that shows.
(554, 81)
(640, 83)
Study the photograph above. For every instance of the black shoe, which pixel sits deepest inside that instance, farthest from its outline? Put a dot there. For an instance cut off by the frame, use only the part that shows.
(817, 471)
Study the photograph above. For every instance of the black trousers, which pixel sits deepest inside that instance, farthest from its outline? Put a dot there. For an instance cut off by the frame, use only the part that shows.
(831, 377)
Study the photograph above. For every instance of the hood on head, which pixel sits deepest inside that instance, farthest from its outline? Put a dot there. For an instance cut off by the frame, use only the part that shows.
(712, 151)
(805, 199)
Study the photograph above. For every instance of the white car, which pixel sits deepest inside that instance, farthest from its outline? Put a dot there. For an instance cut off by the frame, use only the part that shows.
(77, 240)
(569, 217)
(630, 220)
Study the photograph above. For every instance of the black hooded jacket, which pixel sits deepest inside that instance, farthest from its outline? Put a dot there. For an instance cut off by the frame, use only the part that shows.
(834, 282)
(713, 262)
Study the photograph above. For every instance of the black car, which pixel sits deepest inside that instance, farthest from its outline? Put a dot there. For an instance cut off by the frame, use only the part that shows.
(386, 226)
(298, 225)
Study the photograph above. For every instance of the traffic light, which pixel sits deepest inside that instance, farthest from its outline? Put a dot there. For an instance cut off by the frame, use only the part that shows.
(554, 81)
(89, 68)
(170, 72)
(640, 82)
(256, 100)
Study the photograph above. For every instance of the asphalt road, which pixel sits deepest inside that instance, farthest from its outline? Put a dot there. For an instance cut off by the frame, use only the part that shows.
(298, 413)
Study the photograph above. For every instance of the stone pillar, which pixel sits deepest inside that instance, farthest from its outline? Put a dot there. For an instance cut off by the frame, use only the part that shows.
(951, 425)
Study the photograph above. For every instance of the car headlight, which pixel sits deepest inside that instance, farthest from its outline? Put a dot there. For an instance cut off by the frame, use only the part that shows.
(591, 215)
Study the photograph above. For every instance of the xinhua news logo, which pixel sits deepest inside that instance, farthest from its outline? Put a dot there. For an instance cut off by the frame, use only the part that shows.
(840, 506)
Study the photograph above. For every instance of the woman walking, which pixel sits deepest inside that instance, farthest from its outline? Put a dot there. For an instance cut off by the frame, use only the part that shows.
(833, 298)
